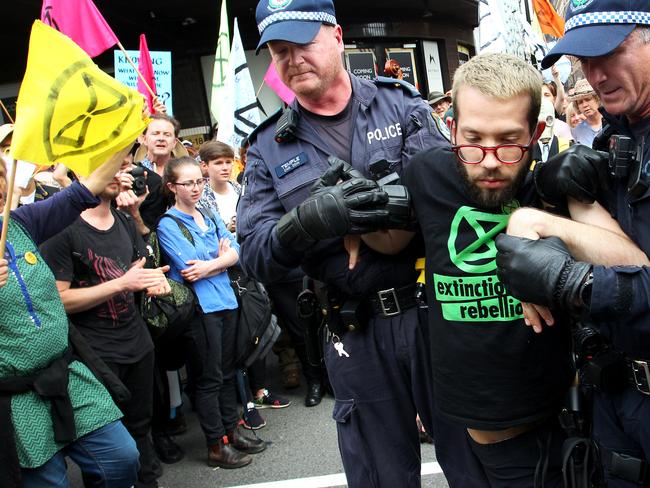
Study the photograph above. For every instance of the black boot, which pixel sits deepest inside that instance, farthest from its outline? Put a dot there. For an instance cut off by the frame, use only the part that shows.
(167, 450)
(314, 394)
(238, 440)
(226, 456)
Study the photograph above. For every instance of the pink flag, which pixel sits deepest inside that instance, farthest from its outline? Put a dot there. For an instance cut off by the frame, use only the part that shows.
(145, 66)
(272, 79)
(80, 21)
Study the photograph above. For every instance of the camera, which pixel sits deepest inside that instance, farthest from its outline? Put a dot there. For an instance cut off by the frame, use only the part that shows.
(625, 161)
(139, 180)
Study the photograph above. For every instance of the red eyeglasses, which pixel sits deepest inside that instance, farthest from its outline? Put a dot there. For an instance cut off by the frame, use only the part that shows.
(505, 153)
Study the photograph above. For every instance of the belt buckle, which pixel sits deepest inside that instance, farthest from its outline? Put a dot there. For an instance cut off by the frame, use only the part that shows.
(385, 295)
(641, 371)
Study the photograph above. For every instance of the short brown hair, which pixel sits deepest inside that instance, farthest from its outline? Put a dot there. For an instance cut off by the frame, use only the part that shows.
(175, 123)
(170, 172)
(214, 150)
(501, 76)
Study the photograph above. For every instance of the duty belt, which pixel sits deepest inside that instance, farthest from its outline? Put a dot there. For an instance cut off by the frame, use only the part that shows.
(391, 302)
(612, 370)
(347, 313)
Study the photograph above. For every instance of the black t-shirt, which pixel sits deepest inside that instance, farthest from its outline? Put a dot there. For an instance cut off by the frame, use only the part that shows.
(86, 256)
(490, 371)
(336, 130)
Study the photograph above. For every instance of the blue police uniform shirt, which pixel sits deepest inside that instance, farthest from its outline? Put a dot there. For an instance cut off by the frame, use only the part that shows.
(389, 122)
(214, 293)
(620, 299)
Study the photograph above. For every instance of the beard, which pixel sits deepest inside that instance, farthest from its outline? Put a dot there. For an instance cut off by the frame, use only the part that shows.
(491, 198)
(110, 193)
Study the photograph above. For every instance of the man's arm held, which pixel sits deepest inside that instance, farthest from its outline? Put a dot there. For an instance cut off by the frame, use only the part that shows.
(593, 236)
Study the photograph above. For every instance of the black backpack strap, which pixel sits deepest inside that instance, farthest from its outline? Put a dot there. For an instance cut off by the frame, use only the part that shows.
(209, 214)
(184, 230)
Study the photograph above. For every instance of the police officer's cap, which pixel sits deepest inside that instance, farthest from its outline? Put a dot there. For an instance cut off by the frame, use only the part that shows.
(597, 27)
(296, 21)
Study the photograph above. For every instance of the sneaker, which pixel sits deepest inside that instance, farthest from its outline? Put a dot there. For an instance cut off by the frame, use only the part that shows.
(252, 420)
(269, 400)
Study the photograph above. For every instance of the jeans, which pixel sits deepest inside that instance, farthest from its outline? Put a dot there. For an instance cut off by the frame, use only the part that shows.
(138, 378)
(211, 362)
(107, 458)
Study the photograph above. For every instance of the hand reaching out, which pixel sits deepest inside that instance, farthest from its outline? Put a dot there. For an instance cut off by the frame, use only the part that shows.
(139, 278)
(129, 201)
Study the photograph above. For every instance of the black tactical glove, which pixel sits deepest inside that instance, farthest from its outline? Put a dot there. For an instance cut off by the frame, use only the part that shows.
(541, 272)
(355, 206)
(400, 213)
(579, 172)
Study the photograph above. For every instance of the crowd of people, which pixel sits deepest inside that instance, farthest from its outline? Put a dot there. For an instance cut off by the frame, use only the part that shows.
(526, 359)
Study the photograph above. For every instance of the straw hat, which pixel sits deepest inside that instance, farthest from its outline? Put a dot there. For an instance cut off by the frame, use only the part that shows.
(581, 89)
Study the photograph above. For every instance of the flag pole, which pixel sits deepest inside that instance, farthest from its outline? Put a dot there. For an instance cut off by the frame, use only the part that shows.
(7, 210)
(130, 61)
(257, 95)
(4, 109)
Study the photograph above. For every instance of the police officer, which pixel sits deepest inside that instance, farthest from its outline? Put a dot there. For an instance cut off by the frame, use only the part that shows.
(611, 38)
(379, 371)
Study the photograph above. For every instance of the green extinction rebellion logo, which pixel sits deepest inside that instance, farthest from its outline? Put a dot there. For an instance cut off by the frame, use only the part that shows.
(476, 298)
(279, 4)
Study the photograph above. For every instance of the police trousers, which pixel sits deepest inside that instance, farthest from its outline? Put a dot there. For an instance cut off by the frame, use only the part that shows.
(379, 388)
(622, 424)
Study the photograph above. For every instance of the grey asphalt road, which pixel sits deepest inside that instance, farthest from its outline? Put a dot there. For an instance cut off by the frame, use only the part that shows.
(302, 452)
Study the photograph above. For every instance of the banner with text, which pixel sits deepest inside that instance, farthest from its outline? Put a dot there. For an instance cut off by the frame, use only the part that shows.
(162, 67)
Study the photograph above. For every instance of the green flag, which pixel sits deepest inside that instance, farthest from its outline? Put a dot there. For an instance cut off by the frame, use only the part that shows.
(220, 63)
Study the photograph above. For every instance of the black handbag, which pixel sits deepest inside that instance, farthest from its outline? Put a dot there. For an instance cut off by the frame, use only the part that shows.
(257, 327)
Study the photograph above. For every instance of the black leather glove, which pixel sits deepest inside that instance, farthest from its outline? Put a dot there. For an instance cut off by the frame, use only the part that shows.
(400, 213)
(541, 272)
(355, 206)
(579, 172)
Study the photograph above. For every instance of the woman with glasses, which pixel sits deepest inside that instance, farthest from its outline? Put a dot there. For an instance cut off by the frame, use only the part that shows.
(202, 262)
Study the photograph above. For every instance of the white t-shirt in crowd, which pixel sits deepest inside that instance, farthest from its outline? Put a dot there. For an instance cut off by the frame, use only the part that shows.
(227, 203)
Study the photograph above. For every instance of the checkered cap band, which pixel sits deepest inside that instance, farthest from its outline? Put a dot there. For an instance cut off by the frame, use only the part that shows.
(622, 17)
(323, 17)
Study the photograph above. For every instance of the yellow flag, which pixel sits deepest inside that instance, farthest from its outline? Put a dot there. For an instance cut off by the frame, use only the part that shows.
(69, 111)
